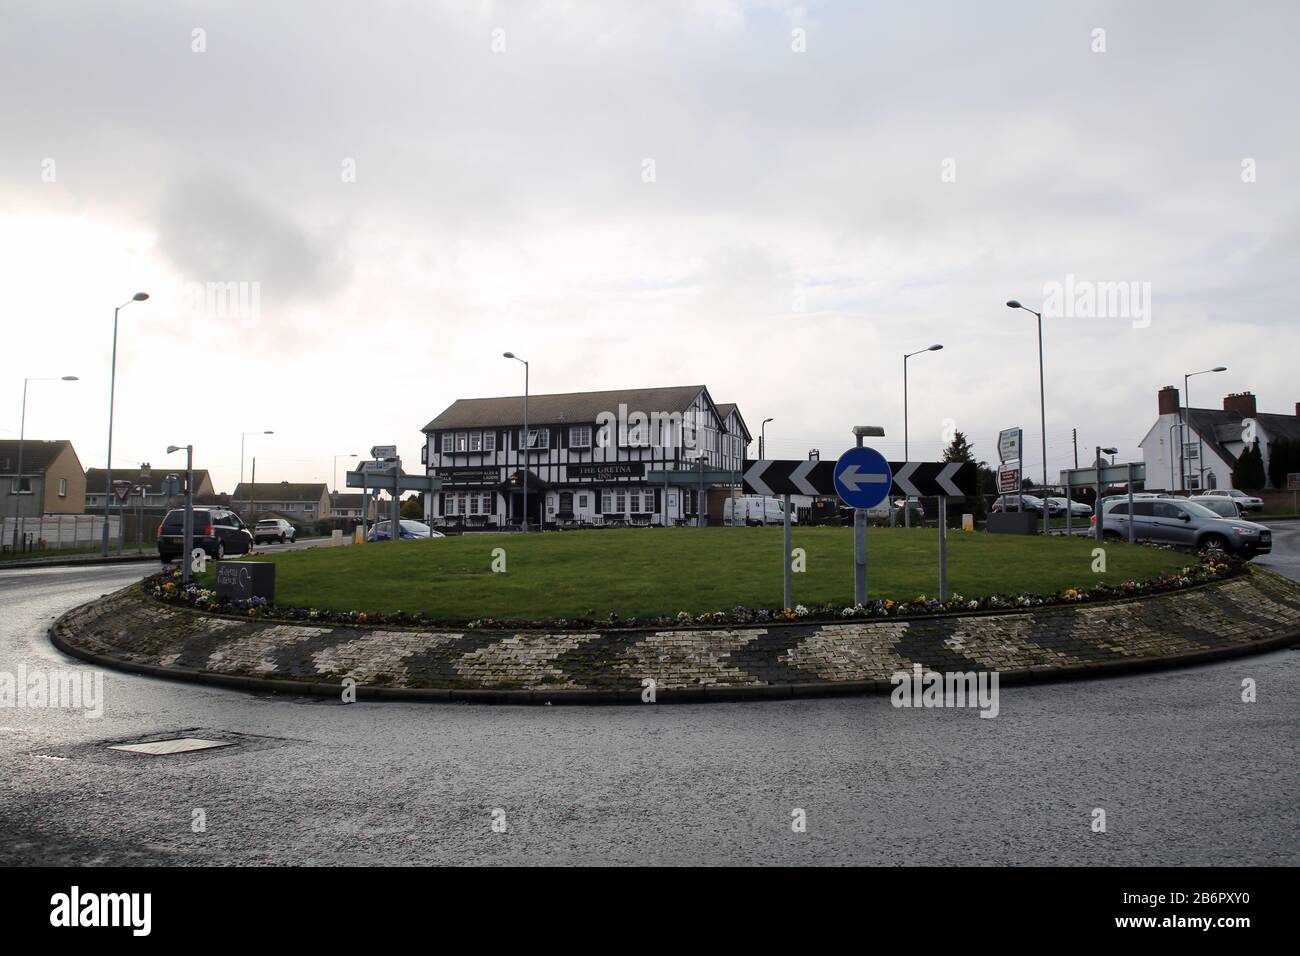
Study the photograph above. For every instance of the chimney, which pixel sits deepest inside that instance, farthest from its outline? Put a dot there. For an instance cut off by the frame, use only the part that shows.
(1242, 403)
(1168, 398)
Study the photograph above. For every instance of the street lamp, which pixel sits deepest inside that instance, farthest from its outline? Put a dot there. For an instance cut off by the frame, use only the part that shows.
(112, 389)
(762, 454)
(1187, 410)
(242, 436)
(527, 442)
(1042, 404)
(187, 567)
(22, 433)
(907, 512)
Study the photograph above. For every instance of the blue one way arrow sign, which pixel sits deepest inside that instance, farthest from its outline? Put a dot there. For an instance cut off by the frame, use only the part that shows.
(862, 477)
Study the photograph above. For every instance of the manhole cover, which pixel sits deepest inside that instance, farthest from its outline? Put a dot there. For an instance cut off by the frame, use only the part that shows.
(178, 745)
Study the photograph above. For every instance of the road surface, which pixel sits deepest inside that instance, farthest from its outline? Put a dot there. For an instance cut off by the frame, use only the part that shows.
(1186, 772)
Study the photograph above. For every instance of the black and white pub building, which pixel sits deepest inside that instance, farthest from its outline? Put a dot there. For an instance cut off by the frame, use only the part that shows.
(585, 458)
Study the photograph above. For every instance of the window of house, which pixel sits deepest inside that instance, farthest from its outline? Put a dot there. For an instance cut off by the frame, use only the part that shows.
(424, 454)
(607, 500)
(475, 441)
(489, 441)
(20, 486)
(462, 441)
(63, 487)
(582, 501)
(448, 443)
(620, 502)
(538, 438)
(473, 504)
(580, 436)
(487, 504)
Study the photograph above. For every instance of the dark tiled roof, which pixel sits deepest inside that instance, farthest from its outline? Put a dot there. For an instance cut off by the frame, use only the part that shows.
(37, 455)
(349, 501)
(1214, 426)
(95, 478)
(725, 409)
(575, 407)
(279, 491)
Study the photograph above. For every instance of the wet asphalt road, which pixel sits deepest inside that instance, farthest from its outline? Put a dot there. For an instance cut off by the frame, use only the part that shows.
(1186, 772)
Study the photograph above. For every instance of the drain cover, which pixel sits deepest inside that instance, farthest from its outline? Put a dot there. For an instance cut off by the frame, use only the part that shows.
(177, 745)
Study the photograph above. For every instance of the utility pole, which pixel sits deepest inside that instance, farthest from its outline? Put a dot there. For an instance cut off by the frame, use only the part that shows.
(1075, 433)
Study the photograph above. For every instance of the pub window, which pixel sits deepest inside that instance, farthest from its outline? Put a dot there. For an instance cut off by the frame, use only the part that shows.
(582, 501)
(580, 436)
(489, 441)
(424, 454)
(475, 441)
(448, 443)
(538, 438)
(473, 504)
(606, 501)
(620, 502)
(462, 442)
(449, 504)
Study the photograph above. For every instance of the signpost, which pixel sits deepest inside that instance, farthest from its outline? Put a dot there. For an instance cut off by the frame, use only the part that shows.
(915, 478)
(1129, 472)
(1010, 441)
(1008, 480)
(862, 480)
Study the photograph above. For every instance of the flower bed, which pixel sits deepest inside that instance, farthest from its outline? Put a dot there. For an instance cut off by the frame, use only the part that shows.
(1211, 566)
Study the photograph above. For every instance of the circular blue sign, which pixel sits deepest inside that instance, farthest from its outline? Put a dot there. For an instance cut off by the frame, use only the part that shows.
(862, 477)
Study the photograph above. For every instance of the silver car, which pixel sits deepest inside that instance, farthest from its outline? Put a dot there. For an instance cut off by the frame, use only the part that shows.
(1077, 508)
(1183, 523)
(1244, 501)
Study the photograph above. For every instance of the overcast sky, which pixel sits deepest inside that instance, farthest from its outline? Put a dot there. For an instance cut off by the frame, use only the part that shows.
(416, 187)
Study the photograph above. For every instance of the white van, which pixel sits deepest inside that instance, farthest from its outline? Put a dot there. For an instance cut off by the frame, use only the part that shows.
(755, 509)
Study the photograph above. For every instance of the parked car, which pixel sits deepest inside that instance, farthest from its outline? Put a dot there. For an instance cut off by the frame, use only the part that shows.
(1077, 508)
(407, 529)
(1247, 502)
(1222, 506)
(273, 529)
(756, 509)
(1184, 522)
(1011, 502)
(218, 531)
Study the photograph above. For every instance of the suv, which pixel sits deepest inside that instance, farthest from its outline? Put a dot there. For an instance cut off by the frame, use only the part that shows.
(1244, 501)
(273, 529)
(217, 531)
(1186, 523)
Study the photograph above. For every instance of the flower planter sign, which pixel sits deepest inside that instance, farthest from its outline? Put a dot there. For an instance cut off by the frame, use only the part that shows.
(245, 580)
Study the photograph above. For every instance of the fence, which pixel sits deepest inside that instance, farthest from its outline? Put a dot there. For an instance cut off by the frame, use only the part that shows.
(63, 532)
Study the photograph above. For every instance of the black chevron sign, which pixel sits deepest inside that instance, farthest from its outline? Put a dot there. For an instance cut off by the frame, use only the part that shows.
(911, 478)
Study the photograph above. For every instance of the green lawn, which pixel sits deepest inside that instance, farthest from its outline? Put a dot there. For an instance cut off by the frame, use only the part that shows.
(645, 572)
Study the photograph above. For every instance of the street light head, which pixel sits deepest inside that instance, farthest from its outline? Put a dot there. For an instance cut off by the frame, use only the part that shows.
(139, 296)
(1014, 304)
(869, 431)
(507, 354)
(268, 433)
(1219, 368)
(934, 348)
(1110, 451)
(71, 378)
(173, 448)
(766, 420)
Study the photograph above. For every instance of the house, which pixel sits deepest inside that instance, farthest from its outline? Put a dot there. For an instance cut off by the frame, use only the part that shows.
(152, 481)
(1195, 448)
(585, 458)
(352, 506)
(52, 480)
(296, 501)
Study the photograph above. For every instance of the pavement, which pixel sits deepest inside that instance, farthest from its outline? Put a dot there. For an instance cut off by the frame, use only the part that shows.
(1186, 771)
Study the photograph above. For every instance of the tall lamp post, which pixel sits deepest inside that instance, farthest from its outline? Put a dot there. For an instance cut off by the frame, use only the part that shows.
(112, 389)
(1187, 410)
(762, 453)
(22, 434)
(1042, 404)
(907, 512)
(527, 442)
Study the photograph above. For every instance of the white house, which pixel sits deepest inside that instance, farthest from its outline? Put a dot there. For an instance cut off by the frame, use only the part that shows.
(585, 460)
(1203, 453)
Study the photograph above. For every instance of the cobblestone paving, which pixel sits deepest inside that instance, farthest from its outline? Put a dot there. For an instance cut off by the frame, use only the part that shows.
(1233, 615)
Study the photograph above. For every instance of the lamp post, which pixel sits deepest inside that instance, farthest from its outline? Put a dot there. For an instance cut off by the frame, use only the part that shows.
(527, 442)
(762, 454)
(1097, 463)
(187, 567)
(907, 512)
(1187, 408)
(22, 434)
(112, 389)
(1042, 404)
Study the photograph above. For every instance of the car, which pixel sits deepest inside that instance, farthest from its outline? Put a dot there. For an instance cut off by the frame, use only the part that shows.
(218, 531)
(1247, 502)
(1011, 502)
(1222, 506)
(1184, 522)
(1077, 508)
(756, 509)
(274, 529)
(406, 530)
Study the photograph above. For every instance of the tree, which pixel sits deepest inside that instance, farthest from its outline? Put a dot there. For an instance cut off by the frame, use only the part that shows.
(960, 449)
(1248, 473)
(1283, 459)
(413, 509)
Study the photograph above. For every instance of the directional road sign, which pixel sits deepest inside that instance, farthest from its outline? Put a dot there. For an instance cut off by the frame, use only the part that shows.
(776, 477)
(1009, 444)
(1008, 479)
(862, 477)
(383, 451)
(380, 467)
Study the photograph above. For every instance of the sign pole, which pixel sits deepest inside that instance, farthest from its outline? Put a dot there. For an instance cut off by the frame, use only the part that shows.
(943, 547)
(1097, 507)
(789, 596)
(1131, 522)
(860, 551)
(1069, 505)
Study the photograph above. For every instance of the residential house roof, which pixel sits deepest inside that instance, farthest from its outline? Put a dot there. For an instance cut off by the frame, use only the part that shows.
(1216, 427)
(37, 455)
(153, 484)
(279, 491)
